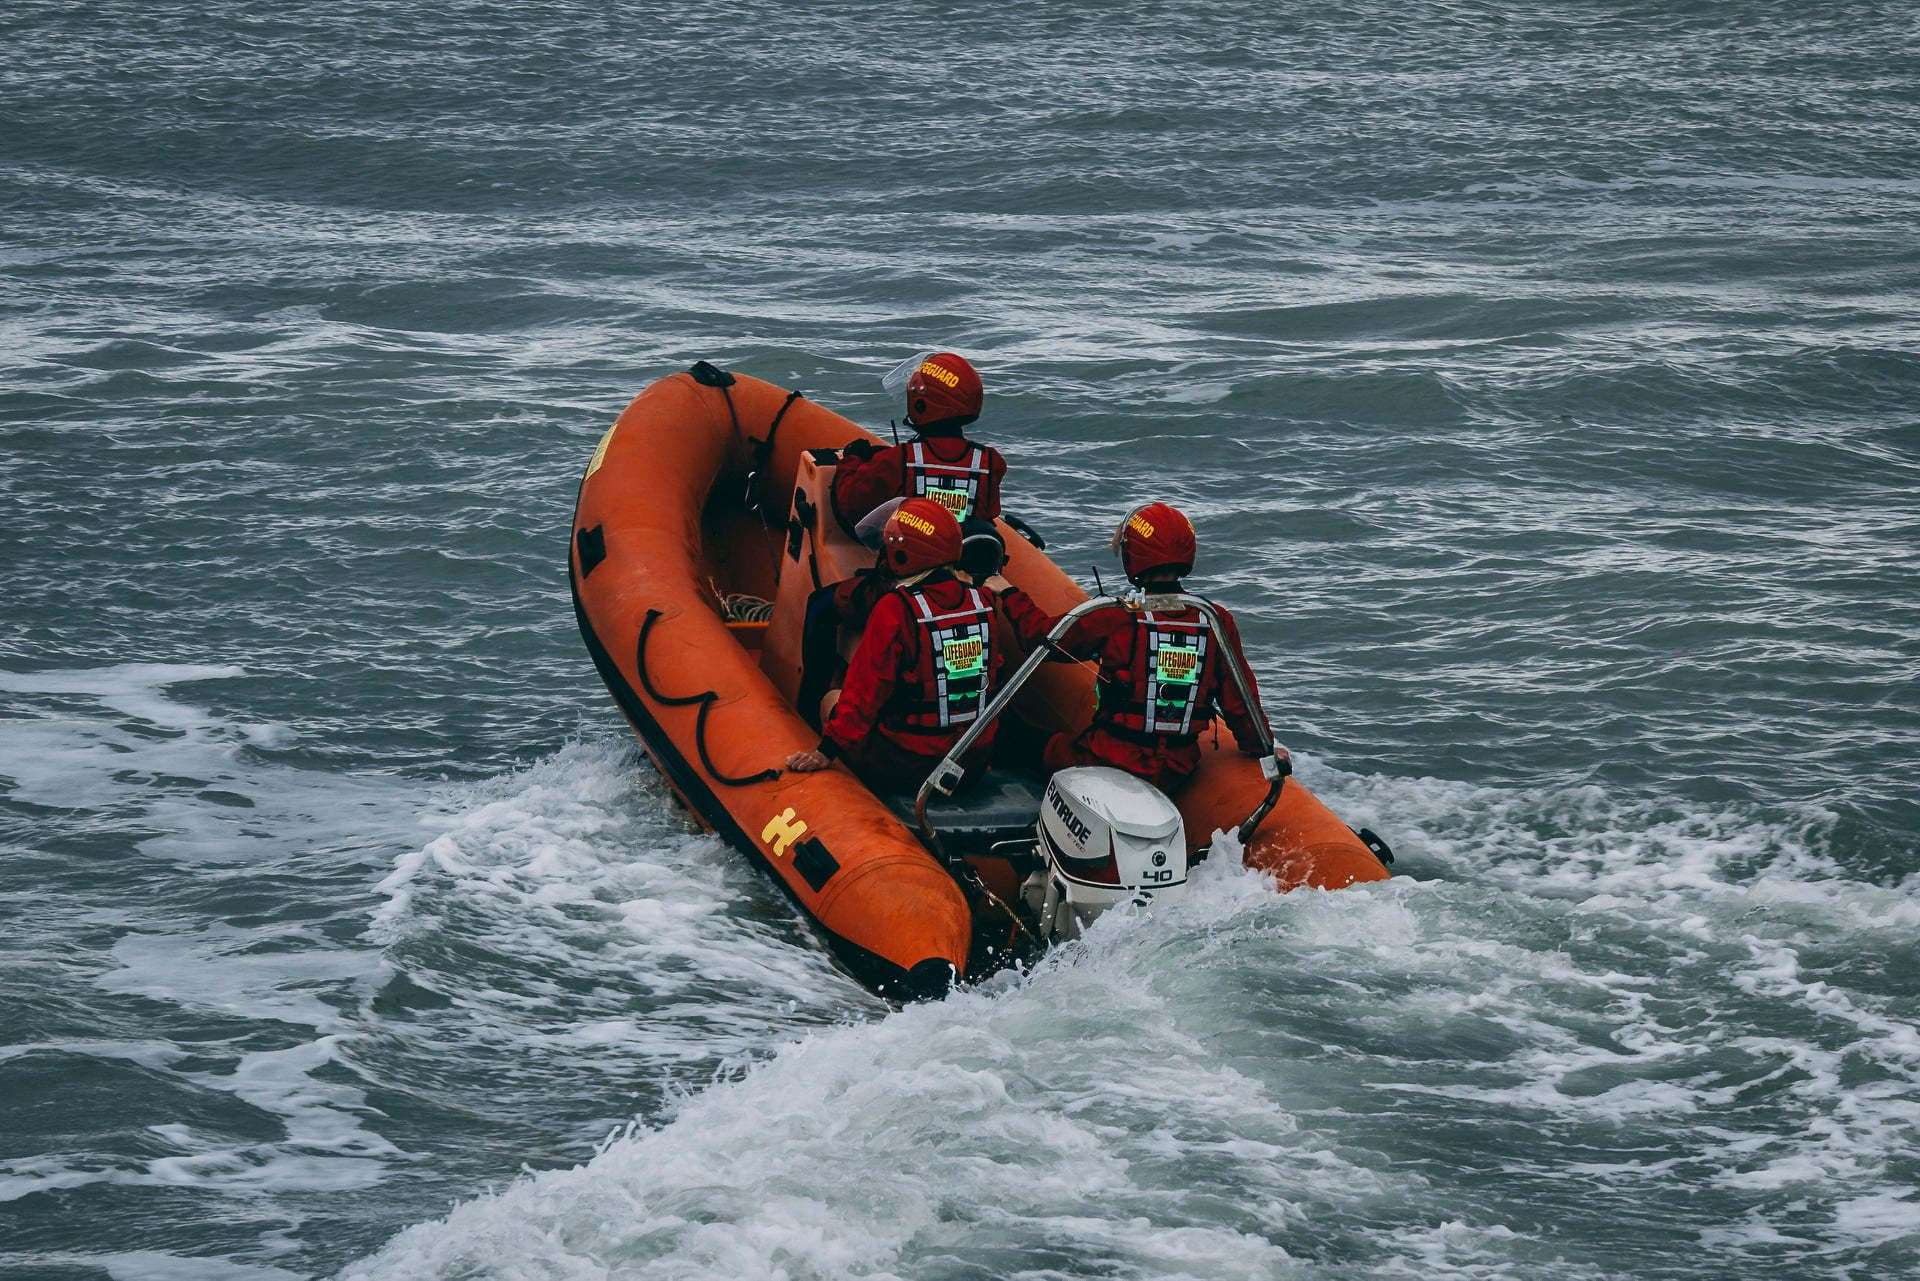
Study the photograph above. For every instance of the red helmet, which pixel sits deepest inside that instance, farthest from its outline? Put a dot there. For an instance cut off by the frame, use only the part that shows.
(942, 388)
(1155, 536)
(920, 535)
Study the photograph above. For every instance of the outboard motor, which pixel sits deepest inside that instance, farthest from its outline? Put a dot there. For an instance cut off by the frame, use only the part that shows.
(1106, 837)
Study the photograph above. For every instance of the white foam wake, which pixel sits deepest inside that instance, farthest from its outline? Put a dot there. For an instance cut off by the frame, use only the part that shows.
(1249, 1084)
(1050, 1117)
(654, 945)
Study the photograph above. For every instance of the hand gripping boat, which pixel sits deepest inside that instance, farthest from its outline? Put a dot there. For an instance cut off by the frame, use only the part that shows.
(711, 490)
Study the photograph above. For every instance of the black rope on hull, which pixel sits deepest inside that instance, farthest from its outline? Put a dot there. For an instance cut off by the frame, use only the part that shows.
(705, 699)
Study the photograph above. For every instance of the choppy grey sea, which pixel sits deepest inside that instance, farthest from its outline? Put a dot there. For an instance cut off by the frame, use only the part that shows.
(1543, 380)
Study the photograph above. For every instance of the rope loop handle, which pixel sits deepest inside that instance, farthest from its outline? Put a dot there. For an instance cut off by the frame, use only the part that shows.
(705, 699)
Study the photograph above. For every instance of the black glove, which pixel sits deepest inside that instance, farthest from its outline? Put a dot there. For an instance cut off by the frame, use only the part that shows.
(861, 450)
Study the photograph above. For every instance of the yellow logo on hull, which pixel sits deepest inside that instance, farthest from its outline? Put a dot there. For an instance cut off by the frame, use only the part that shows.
(783, 830)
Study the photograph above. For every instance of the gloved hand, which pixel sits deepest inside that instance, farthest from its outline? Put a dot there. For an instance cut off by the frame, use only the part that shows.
(859, 450)
(807, 762)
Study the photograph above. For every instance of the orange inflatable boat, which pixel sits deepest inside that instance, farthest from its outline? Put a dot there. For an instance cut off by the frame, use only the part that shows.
(702, 527)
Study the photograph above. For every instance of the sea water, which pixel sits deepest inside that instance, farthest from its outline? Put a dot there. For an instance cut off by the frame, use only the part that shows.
(1542, 381)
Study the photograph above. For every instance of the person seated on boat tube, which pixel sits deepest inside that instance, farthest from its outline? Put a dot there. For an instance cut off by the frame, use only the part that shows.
(934, 649)
(1160, 679)
(846, 605)
(944, 396)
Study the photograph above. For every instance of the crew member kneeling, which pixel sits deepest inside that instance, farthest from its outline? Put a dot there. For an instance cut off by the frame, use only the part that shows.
(1161, 679)
(926, 665)
(944, 397)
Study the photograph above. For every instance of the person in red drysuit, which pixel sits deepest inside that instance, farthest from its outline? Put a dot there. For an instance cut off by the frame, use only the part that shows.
(846, 605)
(944, 397)
(1161, 679)
(935, 647)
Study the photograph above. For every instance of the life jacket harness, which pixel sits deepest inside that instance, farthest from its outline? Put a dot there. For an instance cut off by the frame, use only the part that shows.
(953, 676)
(955, 485)
(1172, 680)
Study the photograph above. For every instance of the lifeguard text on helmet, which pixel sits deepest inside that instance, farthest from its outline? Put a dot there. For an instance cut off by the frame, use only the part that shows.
(912, 521)
(940, 374)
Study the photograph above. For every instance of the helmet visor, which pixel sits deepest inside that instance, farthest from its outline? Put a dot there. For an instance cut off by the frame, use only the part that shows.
(896, 378)
(873, 526)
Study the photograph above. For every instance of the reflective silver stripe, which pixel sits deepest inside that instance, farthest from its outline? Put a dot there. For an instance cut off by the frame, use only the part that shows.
(928, 616)
(975, 462)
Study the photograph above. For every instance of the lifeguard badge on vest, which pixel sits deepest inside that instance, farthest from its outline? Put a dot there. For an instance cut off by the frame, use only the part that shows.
(964, 656)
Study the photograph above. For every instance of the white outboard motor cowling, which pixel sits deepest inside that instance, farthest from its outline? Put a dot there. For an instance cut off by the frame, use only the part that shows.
(1106, 837)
